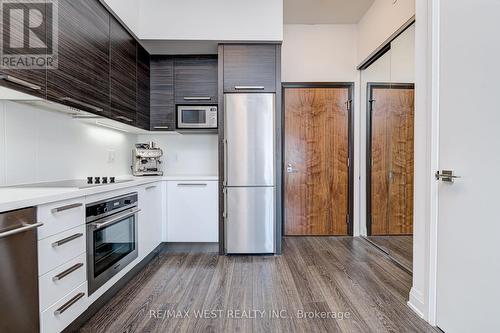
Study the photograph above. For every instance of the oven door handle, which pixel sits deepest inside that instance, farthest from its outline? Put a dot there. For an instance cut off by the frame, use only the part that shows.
(115, 219)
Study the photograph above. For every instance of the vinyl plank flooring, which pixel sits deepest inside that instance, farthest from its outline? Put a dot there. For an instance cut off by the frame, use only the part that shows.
(400, 248)
(323, 276)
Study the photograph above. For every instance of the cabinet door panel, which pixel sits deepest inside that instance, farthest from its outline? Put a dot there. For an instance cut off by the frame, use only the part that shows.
(162, 94)
(123, 74)
(195, 79)
(82, 77)
(143, 88)
(249, 68)
(30, 81)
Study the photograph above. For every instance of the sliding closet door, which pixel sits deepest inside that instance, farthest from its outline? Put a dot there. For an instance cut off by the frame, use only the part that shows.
(390, 157)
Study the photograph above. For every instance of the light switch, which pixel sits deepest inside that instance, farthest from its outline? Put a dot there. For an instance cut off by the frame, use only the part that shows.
(111, 155)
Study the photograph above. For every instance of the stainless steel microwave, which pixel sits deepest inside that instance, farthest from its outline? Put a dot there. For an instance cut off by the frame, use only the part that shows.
(196, 116)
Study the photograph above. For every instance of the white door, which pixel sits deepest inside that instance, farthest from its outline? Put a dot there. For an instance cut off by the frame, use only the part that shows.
(468, 266)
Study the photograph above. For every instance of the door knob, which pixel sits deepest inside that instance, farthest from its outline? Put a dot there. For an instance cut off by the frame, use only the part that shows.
(446, 176)
(290, 169)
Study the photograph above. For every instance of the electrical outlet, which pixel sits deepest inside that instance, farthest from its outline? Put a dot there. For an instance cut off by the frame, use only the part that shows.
(111, 155)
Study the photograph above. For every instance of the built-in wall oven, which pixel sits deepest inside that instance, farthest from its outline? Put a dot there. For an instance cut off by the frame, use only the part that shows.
(111, 237)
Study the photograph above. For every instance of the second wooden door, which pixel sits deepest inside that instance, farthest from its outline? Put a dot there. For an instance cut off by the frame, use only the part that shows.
(316, 161)
(390, 145)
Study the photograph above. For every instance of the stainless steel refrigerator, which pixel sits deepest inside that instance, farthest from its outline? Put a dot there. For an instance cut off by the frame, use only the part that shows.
(249, 176)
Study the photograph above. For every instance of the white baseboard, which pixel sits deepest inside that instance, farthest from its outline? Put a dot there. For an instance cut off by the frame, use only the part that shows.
(416, 303)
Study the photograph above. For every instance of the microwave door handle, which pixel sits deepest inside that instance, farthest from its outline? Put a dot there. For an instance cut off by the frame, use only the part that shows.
(115, 219)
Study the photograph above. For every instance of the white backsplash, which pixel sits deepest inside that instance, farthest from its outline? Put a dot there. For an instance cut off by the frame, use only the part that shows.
(187, 154)
(39, 145)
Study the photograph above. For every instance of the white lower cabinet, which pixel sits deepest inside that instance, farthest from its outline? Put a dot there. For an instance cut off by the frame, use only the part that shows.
(192, 210)
(61, 314)
(62, 280)
(150, 217)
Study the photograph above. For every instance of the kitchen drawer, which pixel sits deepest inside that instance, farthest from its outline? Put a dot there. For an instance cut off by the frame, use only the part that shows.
(59, 249)
(60, 216)
(59, 282)
(61, 314)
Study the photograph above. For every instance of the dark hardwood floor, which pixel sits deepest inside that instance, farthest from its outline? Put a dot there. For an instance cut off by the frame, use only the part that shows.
(337, 276)
(400, 248)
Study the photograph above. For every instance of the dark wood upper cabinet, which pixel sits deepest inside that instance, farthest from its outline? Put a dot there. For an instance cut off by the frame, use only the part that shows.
(31, 81)
(81, 79)
(143, 88)
(195, 79)
(162, 93)
(123, 76)
(249, 67)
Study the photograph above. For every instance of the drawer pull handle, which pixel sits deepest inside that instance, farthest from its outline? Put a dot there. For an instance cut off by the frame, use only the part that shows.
(67, 207)
(67, 239)
(200, 98)
(20, 82)
(192, 184)
(249, 87)
(68, 304)
(150, 187)
(87, 105)
(161, 127)
(67, 272)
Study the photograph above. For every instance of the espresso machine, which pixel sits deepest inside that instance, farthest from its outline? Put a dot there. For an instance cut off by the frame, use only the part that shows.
(146, 160)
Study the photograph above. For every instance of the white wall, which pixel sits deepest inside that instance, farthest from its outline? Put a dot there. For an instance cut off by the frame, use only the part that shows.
(323, 52)
(187, 154)
(382, 19)
(202, 20)
(38, 145)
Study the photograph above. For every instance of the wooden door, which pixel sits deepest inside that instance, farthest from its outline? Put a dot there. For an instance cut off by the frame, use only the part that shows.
(316, 161)
(391, 160)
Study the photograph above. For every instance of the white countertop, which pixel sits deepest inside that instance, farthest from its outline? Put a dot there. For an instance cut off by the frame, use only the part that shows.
(19, 197)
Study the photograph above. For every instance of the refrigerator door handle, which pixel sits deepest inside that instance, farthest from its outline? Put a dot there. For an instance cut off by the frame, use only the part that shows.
(225, 162)
(224, 214)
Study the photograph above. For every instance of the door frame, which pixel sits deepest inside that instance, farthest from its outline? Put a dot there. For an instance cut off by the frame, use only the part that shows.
(350, 197)
(369, 98)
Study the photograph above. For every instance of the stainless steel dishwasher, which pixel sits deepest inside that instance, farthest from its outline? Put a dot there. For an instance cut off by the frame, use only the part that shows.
(19, 271)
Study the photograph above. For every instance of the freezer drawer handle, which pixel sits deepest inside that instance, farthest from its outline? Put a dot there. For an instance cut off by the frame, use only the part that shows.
(67, 272)
(67, 239)
(24, 228)
(67, 207)
(68, 304)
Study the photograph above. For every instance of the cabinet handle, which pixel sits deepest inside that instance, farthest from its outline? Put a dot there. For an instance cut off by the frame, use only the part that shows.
(67, 207)
(150, 187)
(201, 98)
(67, 272)
(67, 239)
(68, 304)
(192, 184)
(249, 87)
(161, 127)
(124, 118)
(75, 101)
(20, 82)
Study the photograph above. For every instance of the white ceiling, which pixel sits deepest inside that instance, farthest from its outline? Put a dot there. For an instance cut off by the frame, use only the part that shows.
(324, 11)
